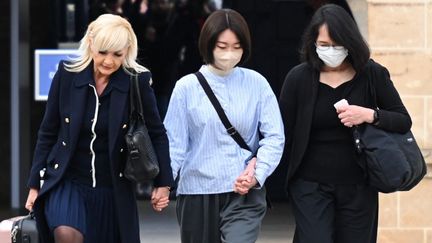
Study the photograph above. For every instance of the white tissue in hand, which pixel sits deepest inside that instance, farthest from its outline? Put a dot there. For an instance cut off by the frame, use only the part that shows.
(340, 103)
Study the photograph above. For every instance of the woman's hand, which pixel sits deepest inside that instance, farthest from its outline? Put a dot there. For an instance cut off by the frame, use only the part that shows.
(160, 198)
(351, 115)
(247, 179)
(33, 193)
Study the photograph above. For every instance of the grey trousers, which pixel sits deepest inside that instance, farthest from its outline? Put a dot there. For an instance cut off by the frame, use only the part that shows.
(226, 217)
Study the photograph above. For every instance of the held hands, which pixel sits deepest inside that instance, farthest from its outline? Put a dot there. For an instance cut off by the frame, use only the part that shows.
(160, 198)
(247, 179)
(351, 115)
(33, 193)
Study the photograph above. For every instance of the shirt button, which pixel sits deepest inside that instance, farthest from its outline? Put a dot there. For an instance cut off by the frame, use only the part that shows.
(63, 143)
(124, 126)
(91, 120)
(56, 166)
(121, 174)
(121, 150)
(67, 120)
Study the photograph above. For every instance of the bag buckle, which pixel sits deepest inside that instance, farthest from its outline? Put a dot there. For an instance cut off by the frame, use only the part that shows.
(231, 131)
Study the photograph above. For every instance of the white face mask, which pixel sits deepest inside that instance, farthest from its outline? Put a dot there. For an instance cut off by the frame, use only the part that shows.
(226, 60)
(332, 56)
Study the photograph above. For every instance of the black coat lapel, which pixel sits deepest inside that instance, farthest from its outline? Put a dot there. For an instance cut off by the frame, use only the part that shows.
(310, 97)
(78, 103)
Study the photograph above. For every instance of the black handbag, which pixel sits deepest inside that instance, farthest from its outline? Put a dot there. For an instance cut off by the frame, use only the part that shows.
(24, 230)
(393, 161)
(141, 164)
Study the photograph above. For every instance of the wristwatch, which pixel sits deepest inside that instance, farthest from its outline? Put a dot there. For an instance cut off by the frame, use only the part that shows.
(375, 117)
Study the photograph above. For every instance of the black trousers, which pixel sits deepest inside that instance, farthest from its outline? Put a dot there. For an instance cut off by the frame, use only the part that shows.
(226, 217)
(328, 213)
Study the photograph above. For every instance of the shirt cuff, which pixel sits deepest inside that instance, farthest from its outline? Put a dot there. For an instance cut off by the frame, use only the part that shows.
(260, 177)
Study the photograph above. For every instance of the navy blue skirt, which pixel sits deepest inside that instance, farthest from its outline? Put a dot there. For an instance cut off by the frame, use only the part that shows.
(89, 210)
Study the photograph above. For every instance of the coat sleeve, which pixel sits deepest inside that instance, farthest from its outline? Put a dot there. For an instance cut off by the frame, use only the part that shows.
(393, 116)
(48, 130)
(157, 131)
(288, 108)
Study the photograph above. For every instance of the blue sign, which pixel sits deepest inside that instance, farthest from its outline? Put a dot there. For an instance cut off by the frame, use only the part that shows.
(46, 64)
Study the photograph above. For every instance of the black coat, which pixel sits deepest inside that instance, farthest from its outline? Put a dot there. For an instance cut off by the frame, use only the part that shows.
(297, 104)
(58, 136)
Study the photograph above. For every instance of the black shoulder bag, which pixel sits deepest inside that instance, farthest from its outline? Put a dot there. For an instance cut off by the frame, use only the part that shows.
(141, 164)
(393, 161)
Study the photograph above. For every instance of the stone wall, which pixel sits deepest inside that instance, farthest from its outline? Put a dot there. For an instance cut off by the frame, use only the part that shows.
(399, 33)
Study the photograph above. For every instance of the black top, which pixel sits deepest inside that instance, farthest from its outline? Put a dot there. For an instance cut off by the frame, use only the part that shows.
(301, 101)
(330, 155)
(82, 164)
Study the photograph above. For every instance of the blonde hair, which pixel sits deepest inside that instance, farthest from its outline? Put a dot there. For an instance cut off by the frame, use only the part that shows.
(107, 33)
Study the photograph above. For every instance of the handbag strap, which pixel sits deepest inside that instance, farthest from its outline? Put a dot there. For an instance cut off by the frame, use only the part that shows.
(370, 85)
(371, 93)
(136, 107)
(229, 127)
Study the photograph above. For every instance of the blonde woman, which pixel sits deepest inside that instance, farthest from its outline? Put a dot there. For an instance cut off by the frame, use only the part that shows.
(81, 147)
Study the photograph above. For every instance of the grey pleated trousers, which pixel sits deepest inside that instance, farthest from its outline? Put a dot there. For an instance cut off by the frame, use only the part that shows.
(226, 217)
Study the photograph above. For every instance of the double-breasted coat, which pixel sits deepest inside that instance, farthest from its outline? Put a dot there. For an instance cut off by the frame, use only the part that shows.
(58, 136)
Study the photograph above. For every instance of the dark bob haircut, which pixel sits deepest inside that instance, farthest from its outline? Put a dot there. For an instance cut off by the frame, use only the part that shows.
(342, 29)
(216, 23)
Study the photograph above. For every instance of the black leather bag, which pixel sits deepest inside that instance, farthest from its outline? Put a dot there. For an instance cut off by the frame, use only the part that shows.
(393, 161)
(24, 230)
(142, 164)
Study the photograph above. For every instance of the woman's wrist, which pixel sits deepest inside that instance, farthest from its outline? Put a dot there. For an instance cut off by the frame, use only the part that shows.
(370, 116)
(376, 117)
(166, 187)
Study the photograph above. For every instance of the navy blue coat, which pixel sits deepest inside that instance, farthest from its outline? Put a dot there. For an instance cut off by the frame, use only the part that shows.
(58, 136)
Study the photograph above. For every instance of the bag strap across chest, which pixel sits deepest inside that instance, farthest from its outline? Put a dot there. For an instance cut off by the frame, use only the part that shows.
(229, 127)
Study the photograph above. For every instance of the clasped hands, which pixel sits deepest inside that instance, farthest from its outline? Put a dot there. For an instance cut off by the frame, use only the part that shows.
(242, 185)
(247, 179)
(160, 198)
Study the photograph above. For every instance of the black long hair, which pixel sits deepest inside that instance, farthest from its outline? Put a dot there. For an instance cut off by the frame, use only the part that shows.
(342, 29)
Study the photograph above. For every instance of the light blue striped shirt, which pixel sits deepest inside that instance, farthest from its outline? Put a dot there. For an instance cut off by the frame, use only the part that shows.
(203, 154)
